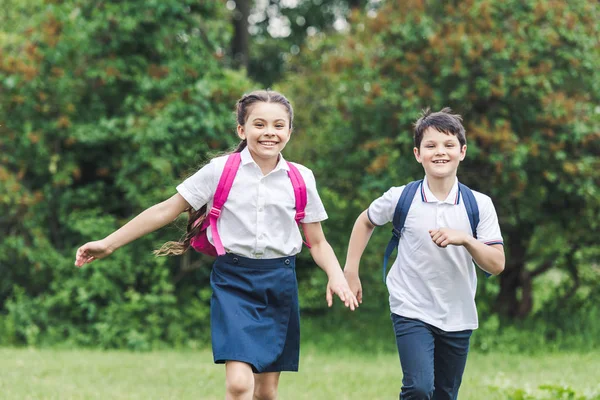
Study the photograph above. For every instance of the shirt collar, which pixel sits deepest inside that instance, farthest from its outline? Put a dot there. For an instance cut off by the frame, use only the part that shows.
(428, 197)
(246, 159)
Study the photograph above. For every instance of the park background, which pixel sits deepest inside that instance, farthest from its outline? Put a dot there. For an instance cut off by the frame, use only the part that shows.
(105, 106)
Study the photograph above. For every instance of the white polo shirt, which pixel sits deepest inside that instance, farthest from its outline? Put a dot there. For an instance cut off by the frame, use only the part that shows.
(257, 220)
(426, 282)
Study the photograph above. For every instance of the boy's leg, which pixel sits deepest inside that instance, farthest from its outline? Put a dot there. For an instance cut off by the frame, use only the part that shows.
(416, 349)
(265, 386)
(239, 381)
(451, 349)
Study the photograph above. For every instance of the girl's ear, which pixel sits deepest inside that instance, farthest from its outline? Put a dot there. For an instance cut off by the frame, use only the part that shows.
(241, 133)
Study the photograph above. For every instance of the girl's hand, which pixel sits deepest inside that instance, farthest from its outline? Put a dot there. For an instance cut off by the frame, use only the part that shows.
(354, 283)
(445, 236)
(91, 251)
(338, 285)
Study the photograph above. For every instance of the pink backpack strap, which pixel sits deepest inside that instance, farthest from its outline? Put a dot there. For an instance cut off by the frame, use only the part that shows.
(300, 195)
(221, 194)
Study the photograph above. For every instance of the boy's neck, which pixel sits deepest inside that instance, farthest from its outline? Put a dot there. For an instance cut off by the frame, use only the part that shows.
(441, 187)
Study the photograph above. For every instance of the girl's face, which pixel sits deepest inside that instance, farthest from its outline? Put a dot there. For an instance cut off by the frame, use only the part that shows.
(266, 130)
(440, 154)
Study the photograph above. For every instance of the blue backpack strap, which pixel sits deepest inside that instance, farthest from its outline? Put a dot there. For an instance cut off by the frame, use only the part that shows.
(472, 210)
(400, 214)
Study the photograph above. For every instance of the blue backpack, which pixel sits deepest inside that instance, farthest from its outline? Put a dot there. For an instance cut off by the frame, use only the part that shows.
(403, 206)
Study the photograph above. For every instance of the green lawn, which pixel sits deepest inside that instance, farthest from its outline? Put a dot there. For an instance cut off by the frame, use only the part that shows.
(86, 374)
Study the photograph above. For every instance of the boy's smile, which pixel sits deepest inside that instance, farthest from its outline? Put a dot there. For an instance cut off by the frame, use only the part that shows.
(440, 154)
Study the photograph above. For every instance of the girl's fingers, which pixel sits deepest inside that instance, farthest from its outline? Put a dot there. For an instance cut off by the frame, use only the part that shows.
(329, 297)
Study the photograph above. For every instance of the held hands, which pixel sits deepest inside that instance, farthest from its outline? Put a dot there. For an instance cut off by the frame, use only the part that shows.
(91, 251)
(337, 284)
(354, 283)
(445, 236)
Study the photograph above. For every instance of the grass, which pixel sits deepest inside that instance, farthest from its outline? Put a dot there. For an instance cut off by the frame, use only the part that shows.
(87, 374)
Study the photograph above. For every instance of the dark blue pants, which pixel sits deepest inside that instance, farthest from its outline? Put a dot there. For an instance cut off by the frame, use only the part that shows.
(433, 360)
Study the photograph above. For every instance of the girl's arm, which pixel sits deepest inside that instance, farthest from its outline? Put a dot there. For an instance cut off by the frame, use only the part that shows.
(490, 258)
(147, 221)
(361, 233)
(325, 258)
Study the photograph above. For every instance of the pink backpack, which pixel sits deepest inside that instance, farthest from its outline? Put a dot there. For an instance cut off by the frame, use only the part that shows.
(200, 242)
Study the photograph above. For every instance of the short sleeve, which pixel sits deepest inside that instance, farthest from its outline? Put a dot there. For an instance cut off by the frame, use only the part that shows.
(488, 230)
(315, 210)
(199, 188)
(381, 210)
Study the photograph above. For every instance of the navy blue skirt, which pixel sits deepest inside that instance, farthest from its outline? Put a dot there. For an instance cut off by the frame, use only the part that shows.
(254, 310)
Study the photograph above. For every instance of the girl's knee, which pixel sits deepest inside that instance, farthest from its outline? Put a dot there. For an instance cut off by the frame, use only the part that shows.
(265, 392)
(239, 380)
(265, 386)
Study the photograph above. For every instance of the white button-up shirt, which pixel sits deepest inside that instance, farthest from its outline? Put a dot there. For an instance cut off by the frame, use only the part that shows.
(426, 282)
(257, 220)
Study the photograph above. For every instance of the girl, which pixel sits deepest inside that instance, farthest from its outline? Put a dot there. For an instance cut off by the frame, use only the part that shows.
(254, 307)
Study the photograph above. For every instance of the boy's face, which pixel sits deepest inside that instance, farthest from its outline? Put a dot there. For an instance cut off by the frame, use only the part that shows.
(440, 154)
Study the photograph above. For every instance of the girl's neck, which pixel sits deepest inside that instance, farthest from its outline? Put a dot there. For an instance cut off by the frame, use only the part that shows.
(265, 165)
(441, 187)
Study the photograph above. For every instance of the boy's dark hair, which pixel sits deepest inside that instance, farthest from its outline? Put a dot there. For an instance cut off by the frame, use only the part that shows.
(443, 121)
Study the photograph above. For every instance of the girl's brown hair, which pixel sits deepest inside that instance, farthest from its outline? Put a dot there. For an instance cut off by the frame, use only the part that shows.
(196, 218)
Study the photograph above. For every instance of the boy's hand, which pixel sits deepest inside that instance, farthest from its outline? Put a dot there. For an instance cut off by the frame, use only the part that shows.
(338, 285)
(354, 283)
(445, 236)
(91, 251)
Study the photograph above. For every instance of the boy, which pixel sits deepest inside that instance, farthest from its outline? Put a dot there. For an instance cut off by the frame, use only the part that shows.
(432, 283)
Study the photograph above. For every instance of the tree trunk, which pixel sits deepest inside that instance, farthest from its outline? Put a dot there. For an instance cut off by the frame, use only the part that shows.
(240, 44)
(515, 299)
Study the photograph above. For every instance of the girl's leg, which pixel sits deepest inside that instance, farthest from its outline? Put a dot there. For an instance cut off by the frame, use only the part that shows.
(239, 381)
(265, 386)
(416, 349)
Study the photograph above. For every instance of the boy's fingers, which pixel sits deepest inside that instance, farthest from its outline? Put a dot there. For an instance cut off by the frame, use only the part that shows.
(328, 297)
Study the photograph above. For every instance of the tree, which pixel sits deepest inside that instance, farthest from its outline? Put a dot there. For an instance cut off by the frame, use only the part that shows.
(523, 76)
(104, 108)
(280, 29)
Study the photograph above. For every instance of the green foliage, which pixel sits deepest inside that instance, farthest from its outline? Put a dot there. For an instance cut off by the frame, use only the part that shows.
(105, 107)
(523, 76)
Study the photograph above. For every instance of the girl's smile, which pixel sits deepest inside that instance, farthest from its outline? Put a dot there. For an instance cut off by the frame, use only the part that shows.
(266, 131)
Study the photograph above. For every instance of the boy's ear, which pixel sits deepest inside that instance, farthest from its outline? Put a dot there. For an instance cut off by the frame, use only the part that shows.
(463, 152)
(417, 154)
(240, 132)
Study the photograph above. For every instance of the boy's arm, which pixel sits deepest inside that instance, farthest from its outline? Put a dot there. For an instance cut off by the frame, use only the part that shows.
(147, 221)
(490, 258)
(325, 258)
(361, 233)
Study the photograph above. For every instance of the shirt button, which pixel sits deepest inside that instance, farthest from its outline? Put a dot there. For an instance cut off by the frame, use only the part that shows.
(260, 209)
